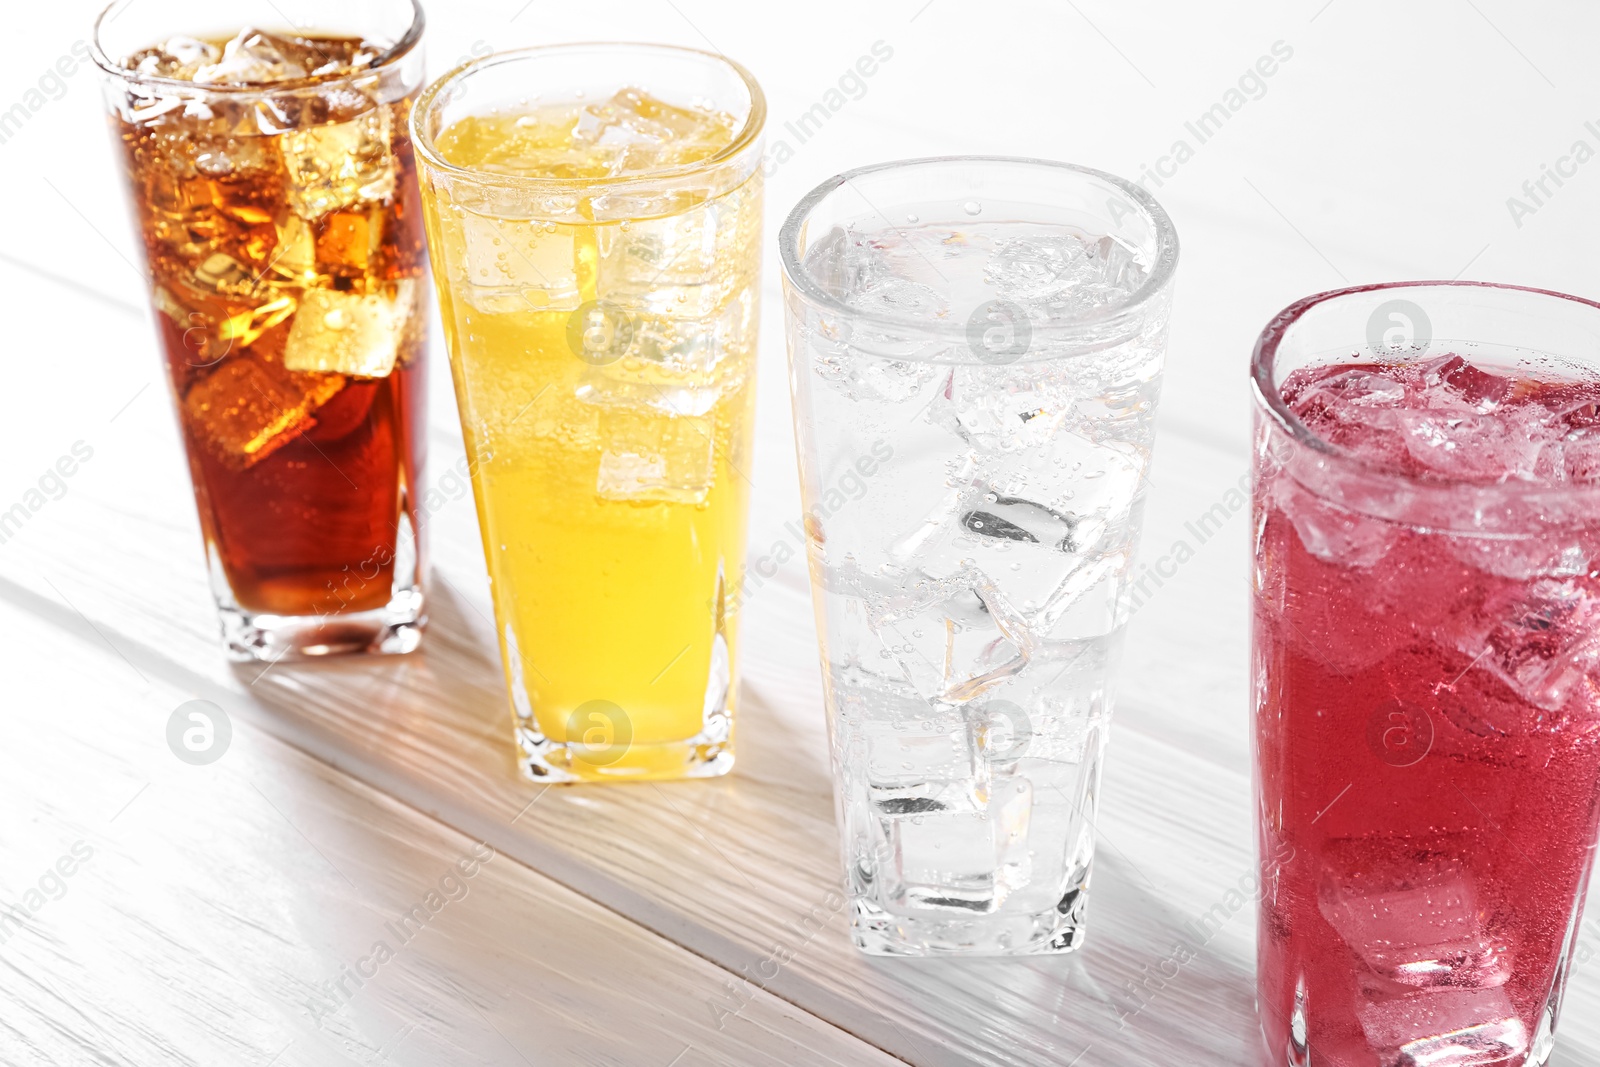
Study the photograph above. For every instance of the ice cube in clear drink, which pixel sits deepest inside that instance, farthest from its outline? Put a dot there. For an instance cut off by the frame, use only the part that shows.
(959, 640)
(963, 847)
(909, 754)
(941, 860)
(1102, 275)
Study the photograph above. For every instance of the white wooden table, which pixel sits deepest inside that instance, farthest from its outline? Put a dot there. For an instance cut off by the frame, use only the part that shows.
(219, 908)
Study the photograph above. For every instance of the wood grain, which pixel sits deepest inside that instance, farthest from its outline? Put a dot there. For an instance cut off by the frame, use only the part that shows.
(220, 907)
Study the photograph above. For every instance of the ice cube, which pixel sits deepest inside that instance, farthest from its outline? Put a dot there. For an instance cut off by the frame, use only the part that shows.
(901, 298)
(1424, 930)
(686, 345)
(348, 243)
(650, 457)
(1524, 558)
(1540, 639)
(245, 410)
(998, 411)
(683, 265)
(295, 256)
(1329, 532)
(1472, 386)
(1468, 445)
(908, 757)
(349, 333)
(1041, 561)
(517, 266)
(1446, 1028)
(339, 164)
(941, 860)
(1009, 518)
(645, 133)
(1026, 268)
(1054, 846)
(921, 255)
(1049, 526)
(1350, 388)
(963, 847)
(670, 365)
(1106, 274)
(254, 57)
(1580, 458)
(179, 58)
(953, 639)
(637, 388)
(221, 309)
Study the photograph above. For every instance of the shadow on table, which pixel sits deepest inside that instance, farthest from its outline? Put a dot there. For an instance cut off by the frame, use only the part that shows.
(453, 681)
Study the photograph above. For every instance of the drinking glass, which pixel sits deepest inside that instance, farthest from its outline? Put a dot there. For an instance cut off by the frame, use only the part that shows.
(594, 213)
(1426, 660)
(268, 158)
(976, 348)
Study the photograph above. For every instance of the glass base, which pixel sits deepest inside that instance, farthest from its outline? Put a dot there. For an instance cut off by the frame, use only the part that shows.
(392, 630)
(1059, 930)
(704, 756)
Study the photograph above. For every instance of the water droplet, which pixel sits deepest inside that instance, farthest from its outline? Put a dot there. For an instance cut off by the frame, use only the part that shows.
(912, 219)
(972, 207)
(337, 319)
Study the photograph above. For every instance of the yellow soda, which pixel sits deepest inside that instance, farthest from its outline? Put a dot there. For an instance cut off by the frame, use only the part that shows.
(597, 282)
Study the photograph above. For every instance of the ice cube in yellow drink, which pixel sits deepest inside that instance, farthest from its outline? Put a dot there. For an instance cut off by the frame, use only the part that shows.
(604, 366)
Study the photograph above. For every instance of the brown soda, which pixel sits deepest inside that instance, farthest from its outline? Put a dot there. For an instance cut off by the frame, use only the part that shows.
(286, 253)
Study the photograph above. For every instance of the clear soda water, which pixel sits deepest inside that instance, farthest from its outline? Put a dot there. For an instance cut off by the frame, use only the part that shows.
(974, 482)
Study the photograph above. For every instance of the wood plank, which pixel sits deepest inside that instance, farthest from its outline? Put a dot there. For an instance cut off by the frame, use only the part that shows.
(268, 909)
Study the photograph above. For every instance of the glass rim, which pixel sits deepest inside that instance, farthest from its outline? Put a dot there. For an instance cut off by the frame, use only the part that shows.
(1269, 398)
(748, 135)
(1159, 279)
(395, 52)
